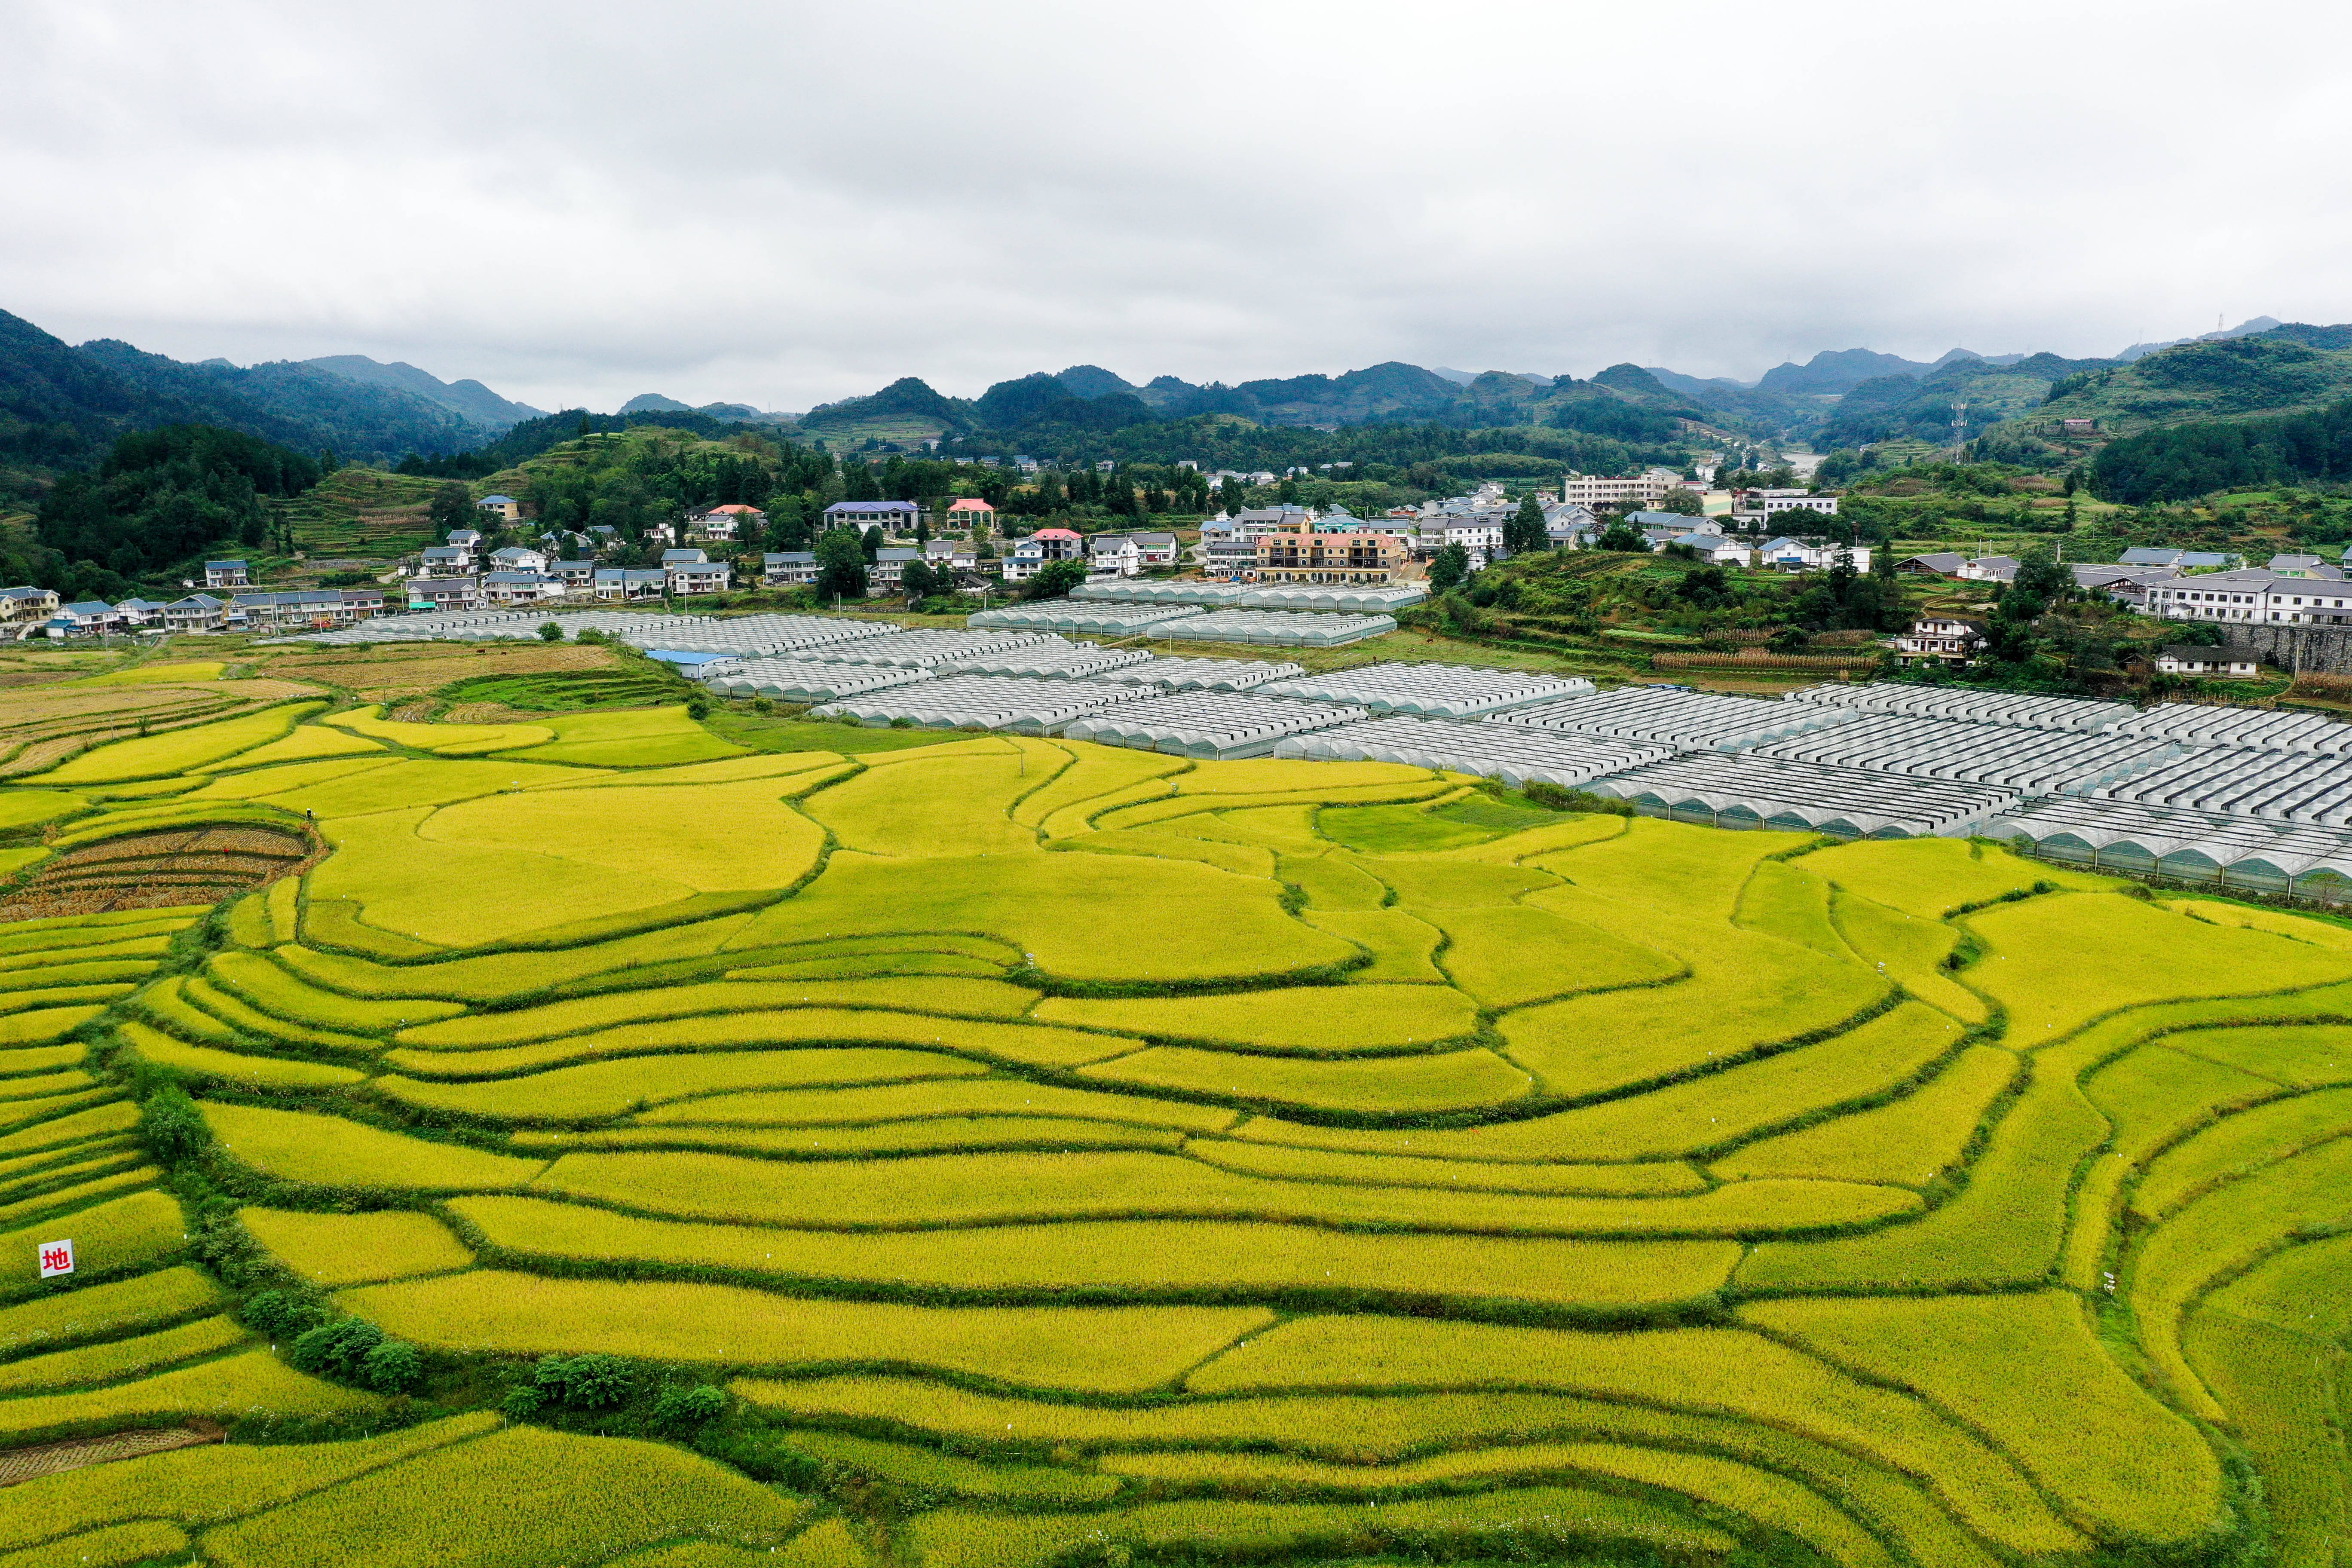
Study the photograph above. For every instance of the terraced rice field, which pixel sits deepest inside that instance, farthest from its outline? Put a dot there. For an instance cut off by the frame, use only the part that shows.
(571, 1143)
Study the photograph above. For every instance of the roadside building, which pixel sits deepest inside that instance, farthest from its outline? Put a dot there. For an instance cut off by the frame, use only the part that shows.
(225, 574)
(1949, 639)
(2228, 663)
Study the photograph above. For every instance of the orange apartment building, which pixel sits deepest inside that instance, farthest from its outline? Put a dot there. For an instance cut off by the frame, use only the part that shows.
(1298, 555)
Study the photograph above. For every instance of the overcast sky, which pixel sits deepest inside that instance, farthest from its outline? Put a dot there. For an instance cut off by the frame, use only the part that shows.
(781, 203)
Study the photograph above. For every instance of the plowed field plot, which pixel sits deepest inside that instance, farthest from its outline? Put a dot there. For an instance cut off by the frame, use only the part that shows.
(545, 1138)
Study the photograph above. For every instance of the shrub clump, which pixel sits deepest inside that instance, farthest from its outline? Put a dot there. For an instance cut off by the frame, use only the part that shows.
(589, 1381)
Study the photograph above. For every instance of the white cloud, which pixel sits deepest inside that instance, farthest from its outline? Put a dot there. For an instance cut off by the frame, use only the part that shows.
(784, 204)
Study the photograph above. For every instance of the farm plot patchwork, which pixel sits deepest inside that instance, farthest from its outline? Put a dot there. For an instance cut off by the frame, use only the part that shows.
(1318, 1175)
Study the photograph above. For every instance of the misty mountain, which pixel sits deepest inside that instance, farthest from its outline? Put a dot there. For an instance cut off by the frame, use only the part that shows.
(467, 399)
(1093, 381)
(2242, 330)
(62, 407)
(1837, 371)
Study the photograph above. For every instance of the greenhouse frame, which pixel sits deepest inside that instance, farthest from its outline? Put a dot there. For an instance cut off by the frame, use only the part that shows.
(1280, 628)
(1182, 674)
(1746, 791)
(2229, 852)
(2035, 762)
(1686, 720)
(1207, 725)
(1517, 756)
(930, 648)
(2254, 729)
(755, 634)
(811, 680)
(1433, 691)
(1170, 593)
(1056, 661)
(2287, 787)
(1008, 702)
(2022, 710)
(1115, 618)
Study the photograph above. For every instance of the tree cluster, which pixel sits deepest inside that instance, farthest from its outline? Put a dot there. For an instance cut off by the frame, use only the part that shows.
(161, 500)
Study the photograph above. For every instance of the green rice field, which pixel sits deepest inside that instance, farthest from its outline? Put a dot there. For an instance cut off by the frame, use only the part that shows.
(606, 1148)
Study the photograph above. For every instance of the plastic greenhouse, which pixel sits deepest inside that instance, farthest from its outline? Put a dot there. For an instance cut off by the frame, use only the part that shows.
(2206, 725)
(1202, 674)
(2286, 786)
(1747, 791)
(1053, 660)
(1686, 720)
(1436, 690)
(927, 648)
(811, 680)
(2022, 710)
(2040, 761)
(982, 701)
(2193, 846)
(1176, 593)
(1280, 628)
(1343, 597)
(1118, 619)
(1206, 724)
(1517, 756)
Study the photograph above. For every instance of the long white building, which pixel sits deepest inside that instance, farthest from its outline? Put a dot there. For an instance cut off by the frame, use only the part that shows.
(2252, 594)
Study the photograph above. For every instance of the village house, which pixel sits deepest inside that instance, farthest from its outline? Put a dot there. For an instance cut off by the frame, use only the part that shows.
(2231, 663)
(953, 554)
(890, 516)
(196, 612)
(628, 583)
(22, 604)
(698, 576)
(971, 514)
(722, 524)
(887, 571)
(1952, 639)
(788, 568)
(520, 587)
(444, 593)
(1034, 554)
(515, 558)
(1305, 555)
(145, 612)
(1114, 555)
(225, 574)
(504, 508)
(574, 574)
(444, 561)
(465, 538)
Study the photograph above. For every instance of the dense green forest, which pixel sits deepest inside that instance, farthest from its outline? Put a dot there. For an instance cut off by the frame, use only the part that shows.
(160, 497)
(2181, 461)
(549, 431)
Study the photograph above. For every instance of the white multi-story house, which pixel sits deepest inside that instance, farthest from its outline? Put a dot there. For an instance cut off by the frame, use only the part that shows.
(888, 567)
(1757, 508)
(516, 558)
(2252, 594)
(1032, 554)
(1951, 639)
(520, 587)
(1584, 490)
(1114, 554)
(788, 568)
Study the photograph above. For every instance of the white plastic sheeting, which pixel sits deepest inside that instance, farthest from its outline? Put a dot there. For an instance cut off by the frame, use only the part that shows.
(1118, 618)
(479, 626)
(1202, 674)
(1686, 720)
(1749, 791)
(1435, 690)
(1281, 629)
(1053, 660)
(1517, 756)
(1369, 598)
(1178, 593)
(2194, 846)
(1009, 702)
(2286, 786)
(2024, 710)
(931, 648)
(2205, 724)
(2042, 761)
(811, 680)
(755, 634)
(1207, 724)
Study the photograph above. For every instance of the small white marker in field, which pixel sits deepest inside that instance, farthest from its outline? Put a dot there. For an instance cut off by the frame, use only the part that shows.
(55, 1257)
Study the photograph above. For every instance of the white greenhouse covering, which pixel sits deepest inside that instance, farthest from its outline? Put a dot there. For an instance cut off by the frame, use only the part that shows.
(1281, 629)
(2208, 724)
(982, 701)
(754, 634)
(1053, 660)
(2194, 846)
(479, 625)
(1206, 724)
(2024, 711)
(2037, 761)
(1118, 618)
(2286, 786)
(1749, 791)
(930, 648)
(811, 680)
(1371, 598)
(1176, 593)
(1435, 691)
(1686, 720)
(1517, 756)
(1202, 674)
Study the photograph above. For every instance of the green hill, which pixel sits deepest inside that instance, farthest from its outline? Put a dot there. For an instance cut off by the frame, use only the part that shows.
(2272, 373)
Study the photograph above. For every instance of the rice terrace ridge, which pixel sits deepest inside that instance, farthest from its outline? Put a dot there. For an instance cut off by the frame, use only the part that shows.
(578, 1138)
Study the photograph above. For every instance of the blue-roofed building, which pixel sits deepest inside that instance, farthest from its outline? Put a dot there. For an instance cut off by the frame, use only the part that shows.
(225, 574)
(697, 666)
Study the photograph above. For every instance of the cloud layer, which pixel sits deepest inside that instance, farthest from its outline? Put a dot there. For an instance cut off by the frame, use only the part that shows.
(783, 204)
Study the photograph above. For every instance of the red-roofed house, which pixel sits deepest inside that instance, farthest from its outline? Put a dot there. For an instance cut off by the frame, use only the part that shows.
(974, 513)
(1029, 557)
(721, 522)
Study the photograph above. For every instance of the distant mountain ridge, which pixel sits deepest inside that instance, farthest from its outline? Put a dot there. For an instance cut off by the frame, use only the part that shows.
(468, 399)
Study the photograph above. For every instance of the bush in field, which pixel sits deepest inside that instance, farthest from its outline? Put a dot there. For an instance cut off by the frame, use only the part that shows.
(170, 1124)
(689, 1407)
(279, 1313)
(337, 1349)
(589, 1381)
(549, 632)
(390, 1367)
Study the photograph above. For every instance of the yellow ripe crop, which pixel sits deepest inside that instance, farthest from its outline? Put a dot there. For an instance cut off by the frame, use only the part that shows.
(960, 1097)
(981, 998)
(1329, 1018)
(1905, 1142)
(1025, 1043)
(1106, 1350)
(2237, 1144)
(94, 1311)
(572, 1498)
(331, 1152)
(338, 1249)
(232, 1067)
(180, 750)
(1454, 1081)
(272, 989)
(1141, 1256)
(119, 1359)
(234, 1387)
(599, 1089)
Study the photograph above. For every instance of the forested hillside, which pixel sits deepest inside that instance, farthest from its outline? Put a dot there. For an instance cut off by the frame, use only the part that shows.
(2182, 461)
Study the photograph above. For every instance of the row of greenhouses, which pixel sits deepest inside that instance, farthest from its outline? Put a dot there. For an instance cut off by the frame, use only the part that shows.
(2018, 709)
(811, 680)
(1435, 691)
(750, 636)
(1181, 674)
(1325, 597)
(2286, 786)
(1189, 623)
(2240, 853)
(1670, 716)
(1515, 754)
(1207, 725)
(1020, 705)
(1747, 791)
(2037, 761)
